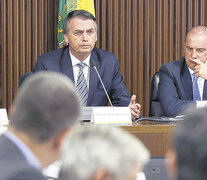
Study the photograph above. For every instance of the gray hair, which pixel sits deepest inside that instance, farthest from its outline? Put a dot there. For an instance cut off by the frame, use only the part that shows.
(90, 149)
(46, 104)
(77, 13)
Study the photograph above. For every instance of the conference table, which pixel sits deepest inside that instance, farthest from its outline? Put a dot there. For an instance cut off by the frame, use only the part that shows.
(155, 135)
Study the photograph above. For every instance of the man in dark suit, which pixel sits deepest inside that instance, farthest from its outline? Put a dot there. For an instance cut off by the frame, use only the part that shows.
(43, 113)
(183, 83)
(80, 32)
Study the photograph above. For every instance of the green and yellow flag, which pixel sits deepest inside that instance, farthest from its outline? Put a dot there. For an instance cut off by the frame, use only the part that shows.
(63, 11)
(67, 6)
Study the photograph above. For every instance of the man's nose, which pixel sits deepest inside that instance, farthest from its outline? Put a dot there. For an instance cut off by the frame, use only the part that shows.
(194, 54)
(84, 36)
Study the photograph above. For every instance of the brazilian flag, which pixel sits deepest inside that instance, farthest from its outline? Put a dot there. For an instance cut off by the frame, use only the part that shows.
(61, 16)
(67, 6)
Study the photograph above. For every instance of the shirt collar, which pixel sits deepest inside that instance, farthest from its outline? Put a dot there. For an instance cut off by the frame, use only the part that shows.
(75, 61)
(191, 71)
(27, 153)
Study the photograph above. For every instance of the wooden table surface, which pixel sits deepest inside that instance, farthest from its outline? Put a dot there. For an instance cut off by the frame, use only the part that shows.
(155, 135)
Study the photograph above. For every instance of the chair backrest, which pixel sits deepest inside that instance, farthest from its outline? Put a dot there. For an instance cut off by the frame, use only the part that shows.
(23, 77)
(155, 107)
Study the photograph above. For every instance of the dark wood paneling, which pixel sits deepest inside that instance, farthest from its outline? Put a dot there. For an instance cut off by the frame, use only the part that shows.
(28, 29)
(143, 34)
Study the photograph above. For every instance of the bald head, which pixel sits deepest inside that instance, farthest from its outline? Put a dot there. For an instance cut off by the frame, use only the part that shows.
(197, 30)
(195, 46)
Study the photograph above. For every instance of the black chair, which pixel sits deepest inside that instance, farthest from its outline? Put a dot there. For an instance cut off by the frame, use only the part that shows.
(156, 169)
(155, 107)
(23, 77)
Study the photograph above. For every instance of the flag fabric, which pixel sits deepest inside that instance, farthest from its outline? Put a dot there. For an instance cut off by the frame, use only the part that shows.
(67, 6)
(63, 11)
(87, 5)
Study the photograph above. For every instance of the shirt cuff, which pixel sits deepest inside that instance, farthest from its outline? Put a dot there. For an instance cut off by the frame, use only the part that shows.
(201, 104)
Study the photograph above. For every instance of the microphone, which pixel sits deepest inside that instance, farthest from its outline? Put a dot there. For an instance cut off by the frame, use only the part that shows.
(93, 64)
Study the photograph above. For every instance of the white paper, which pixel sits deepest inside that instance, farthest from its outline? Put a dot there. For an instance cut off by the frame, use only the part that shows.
(3, 118)
(111, 115)
(52, 170)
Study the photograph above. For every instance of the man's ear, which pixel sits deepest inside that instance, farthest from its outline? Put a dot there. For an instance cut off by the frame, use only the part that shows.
(11, 109)
(59, 139)
(184, 46)
(66, 38)
(101, 175)
(171, 162)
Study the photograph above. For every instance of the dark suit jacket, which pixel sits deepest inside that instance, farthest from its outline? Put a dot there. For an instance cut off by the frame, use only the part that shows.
(175, 88)
(13, 165)
(108, 67)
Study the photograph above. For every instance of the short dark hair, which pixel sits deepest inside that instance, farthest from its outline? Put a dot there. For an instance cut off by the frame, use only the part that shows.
(77, 13)
(190, 144)
(46, 105)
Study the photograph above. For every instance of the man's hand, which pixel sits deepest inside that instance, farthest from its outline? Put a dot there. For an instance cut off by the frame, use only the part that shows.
(135, 108)
(200, 69)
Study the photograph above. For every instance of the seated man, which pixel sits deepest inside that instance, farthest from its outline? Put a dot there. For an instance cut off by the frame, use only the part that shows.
(79, 59)
(43, 113)
(102, 153)
(187, 159)
(183, 83)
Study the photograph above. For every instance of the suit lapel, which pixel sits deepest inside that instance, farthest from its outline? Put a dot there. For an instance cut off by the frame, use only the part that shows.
(205, 90)
(93, 80)
(186, 78)
(66, 64)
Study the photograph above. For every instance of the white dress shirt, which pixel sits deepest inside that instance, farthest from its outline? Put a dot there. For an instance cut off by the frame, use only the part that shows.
(86, 69)
(200, 82)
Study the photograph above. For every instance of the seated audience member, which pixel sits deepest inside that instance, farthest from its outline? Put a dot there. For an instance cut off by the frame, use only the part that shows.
(183, 83)
(187, 159)
(77, 62)
(102, 153)
(44, 111)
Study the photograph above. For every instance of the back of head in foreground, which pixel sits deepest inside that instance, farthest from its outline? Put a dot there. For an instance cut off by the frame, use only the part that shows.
(46, 105)
(190, 147)
(101, 153)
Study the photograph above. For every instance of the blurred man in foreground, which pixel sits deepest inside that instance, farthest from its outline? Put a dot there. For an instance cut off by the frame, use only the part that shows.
(44, 111)
(102, 153)
(187, 159)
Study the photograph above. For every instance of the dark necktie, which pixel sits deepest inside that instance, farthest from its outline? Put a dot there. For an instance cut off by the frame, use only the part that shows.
(196, 93)
(81, 86)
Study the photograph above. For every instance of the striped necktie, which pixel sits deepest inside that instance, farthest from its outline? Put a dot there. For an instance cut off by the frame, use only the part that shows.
(196, 93)
(81, 85)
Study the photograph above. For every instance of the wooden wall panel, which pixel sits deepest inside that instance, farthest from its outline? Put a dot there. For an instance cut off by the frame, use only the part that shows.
(143, 34)
(3, 57)
(23, 37)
